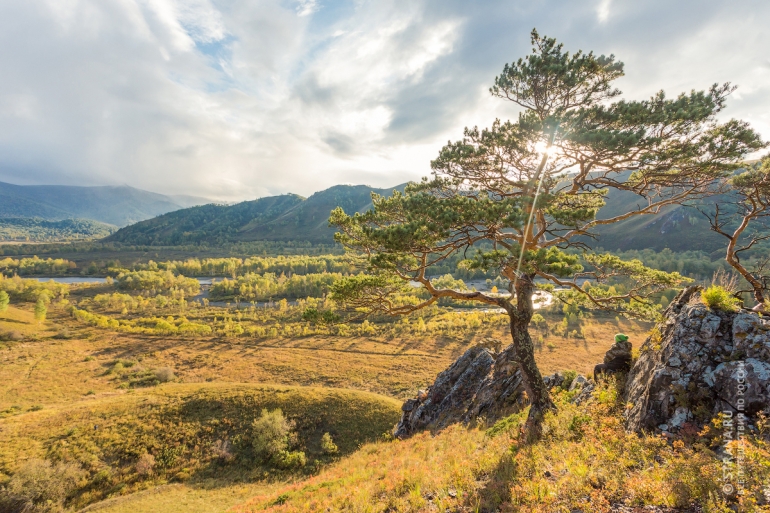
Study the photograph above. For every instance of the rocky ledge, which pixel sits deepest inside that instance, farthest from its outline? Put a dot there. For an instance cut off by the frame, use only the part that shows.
(697, 363)
(481, 383)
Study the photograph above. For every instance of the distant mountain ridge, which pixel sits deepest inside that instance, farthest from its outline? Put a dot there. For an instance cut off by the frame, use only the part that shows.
(293, 218)
(114, 205)
(288, 217)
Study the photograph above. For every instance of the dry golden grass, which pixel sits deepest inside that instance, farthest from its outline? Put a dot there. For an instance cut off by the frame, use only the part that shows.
(204, 497)
(586, 461)
(59, 378)
(181, 425)
(50, 371)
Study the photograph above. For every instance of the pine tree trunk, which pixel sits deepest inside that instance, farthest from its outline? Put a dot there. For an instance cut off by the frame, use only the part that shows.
(540, 399)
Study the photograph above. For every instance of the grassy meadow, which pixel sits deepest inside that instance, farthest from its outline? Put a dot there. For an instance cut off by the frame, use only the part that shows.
(145, 400)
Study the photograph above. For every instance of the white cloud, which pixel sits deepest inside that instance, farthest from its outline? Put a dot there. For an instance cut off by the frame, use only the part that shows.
(236, 99)
(603, 10)
(306, 7)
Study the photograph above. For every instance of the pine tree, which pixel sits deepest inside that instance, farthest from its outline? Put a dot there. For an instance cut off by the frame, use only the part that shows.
(516, 196)
(40, 310)
(4, 301)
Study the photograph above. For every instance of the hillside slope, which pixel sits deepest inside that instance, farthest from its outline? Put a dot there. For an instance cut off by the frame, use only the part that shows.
(276, 218)
(678, 228)
(42, 230)
(115, 205)
(293, 218)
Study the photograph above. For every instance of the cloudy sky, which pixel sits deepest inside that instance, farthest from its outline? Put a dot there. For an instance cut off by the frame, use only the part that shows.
(236, 99)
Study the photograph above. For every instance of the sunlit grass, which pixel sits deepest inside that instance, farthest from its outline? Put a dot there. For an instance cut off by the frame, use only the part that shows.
(586, 461)
(181, 426)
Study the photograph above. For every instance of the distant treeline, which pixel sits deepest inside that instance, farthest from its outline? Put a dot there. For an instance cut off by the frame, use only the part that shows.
(42, 230)
(694, 264)
(236, 249)
(233, 267)
(255, 287)
(36, 266)
(20, 289)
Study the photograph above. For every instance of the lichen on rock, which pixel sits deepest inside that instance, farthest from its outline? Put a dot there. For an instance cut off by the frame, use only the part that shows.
(699, 363)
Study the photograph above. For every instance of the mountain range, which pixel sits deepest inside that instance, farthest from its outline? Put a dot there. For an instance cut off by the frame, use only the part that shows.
(293, 218)
(288, 217)
(113, 205)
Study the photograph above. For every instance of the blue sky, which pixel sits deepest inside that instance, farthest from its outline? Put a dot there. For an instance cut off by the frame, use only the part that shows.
(240, 99)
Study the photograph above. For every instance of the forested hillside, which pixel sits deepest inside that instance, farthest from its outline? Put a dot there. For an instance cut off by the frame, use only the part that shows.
(42, 230)
(293, 218)
(278, 218)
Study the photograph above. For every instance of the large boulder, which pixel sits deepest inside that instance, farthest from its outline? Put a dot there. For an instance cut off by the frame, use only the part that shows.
(698, 363)
(481, 383)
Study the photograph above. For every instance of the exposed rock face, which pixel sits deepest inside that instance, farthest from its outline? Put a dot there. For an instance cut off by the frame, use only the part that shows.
(700, 363)
(478, 384)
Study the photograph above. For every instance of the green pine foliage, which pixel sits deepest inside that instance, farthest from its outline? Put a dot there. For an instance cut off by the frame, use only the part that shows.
(41, 310)
(520, 195)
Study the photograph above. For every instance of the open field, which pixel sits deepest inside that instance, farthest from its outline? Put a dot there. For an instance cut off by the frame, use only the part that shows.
(78, 392)
(51, 371)
(72, 391)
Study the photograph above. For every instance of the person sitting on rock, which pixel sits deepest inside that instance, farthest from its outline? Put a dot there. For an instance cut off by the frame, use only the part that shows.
(617, 359)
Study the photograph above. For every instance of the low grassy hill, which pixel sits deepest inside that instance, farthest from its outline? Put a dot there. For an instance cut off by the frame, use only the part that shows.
(194, 432)
(586, 461)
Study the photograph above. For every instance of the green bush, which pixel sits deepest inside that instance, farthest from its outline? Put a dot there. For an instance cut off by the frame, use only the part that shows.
(719, 298)
(272, 434)
(39, 486)
(538, 321)
(327, 444)
(290, 459)
(4, 301)
(164, 374)
(569, 377)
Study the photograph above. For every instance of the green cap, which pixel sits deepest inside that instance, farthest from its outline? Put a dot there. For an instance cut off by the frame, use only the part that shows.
(620, 337)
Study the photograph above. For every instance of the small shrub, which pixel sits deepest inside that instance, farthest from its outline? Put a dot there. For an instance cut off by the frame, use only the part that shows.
(40, 309)
(221, 451)
(11, 336)
(63, 335)
(569, 377)
(539, 322)
(327, 444)
(164, 375)
(40, 486)
(271, 434)
(145, 465)
(551, 346)
(4, 301)
(719, 298)
(290, 459)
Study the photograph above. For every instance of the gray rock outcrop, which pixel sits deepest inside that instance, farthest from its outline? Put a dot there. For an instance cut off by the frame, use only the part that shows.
(479, 384)
(697, 363)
